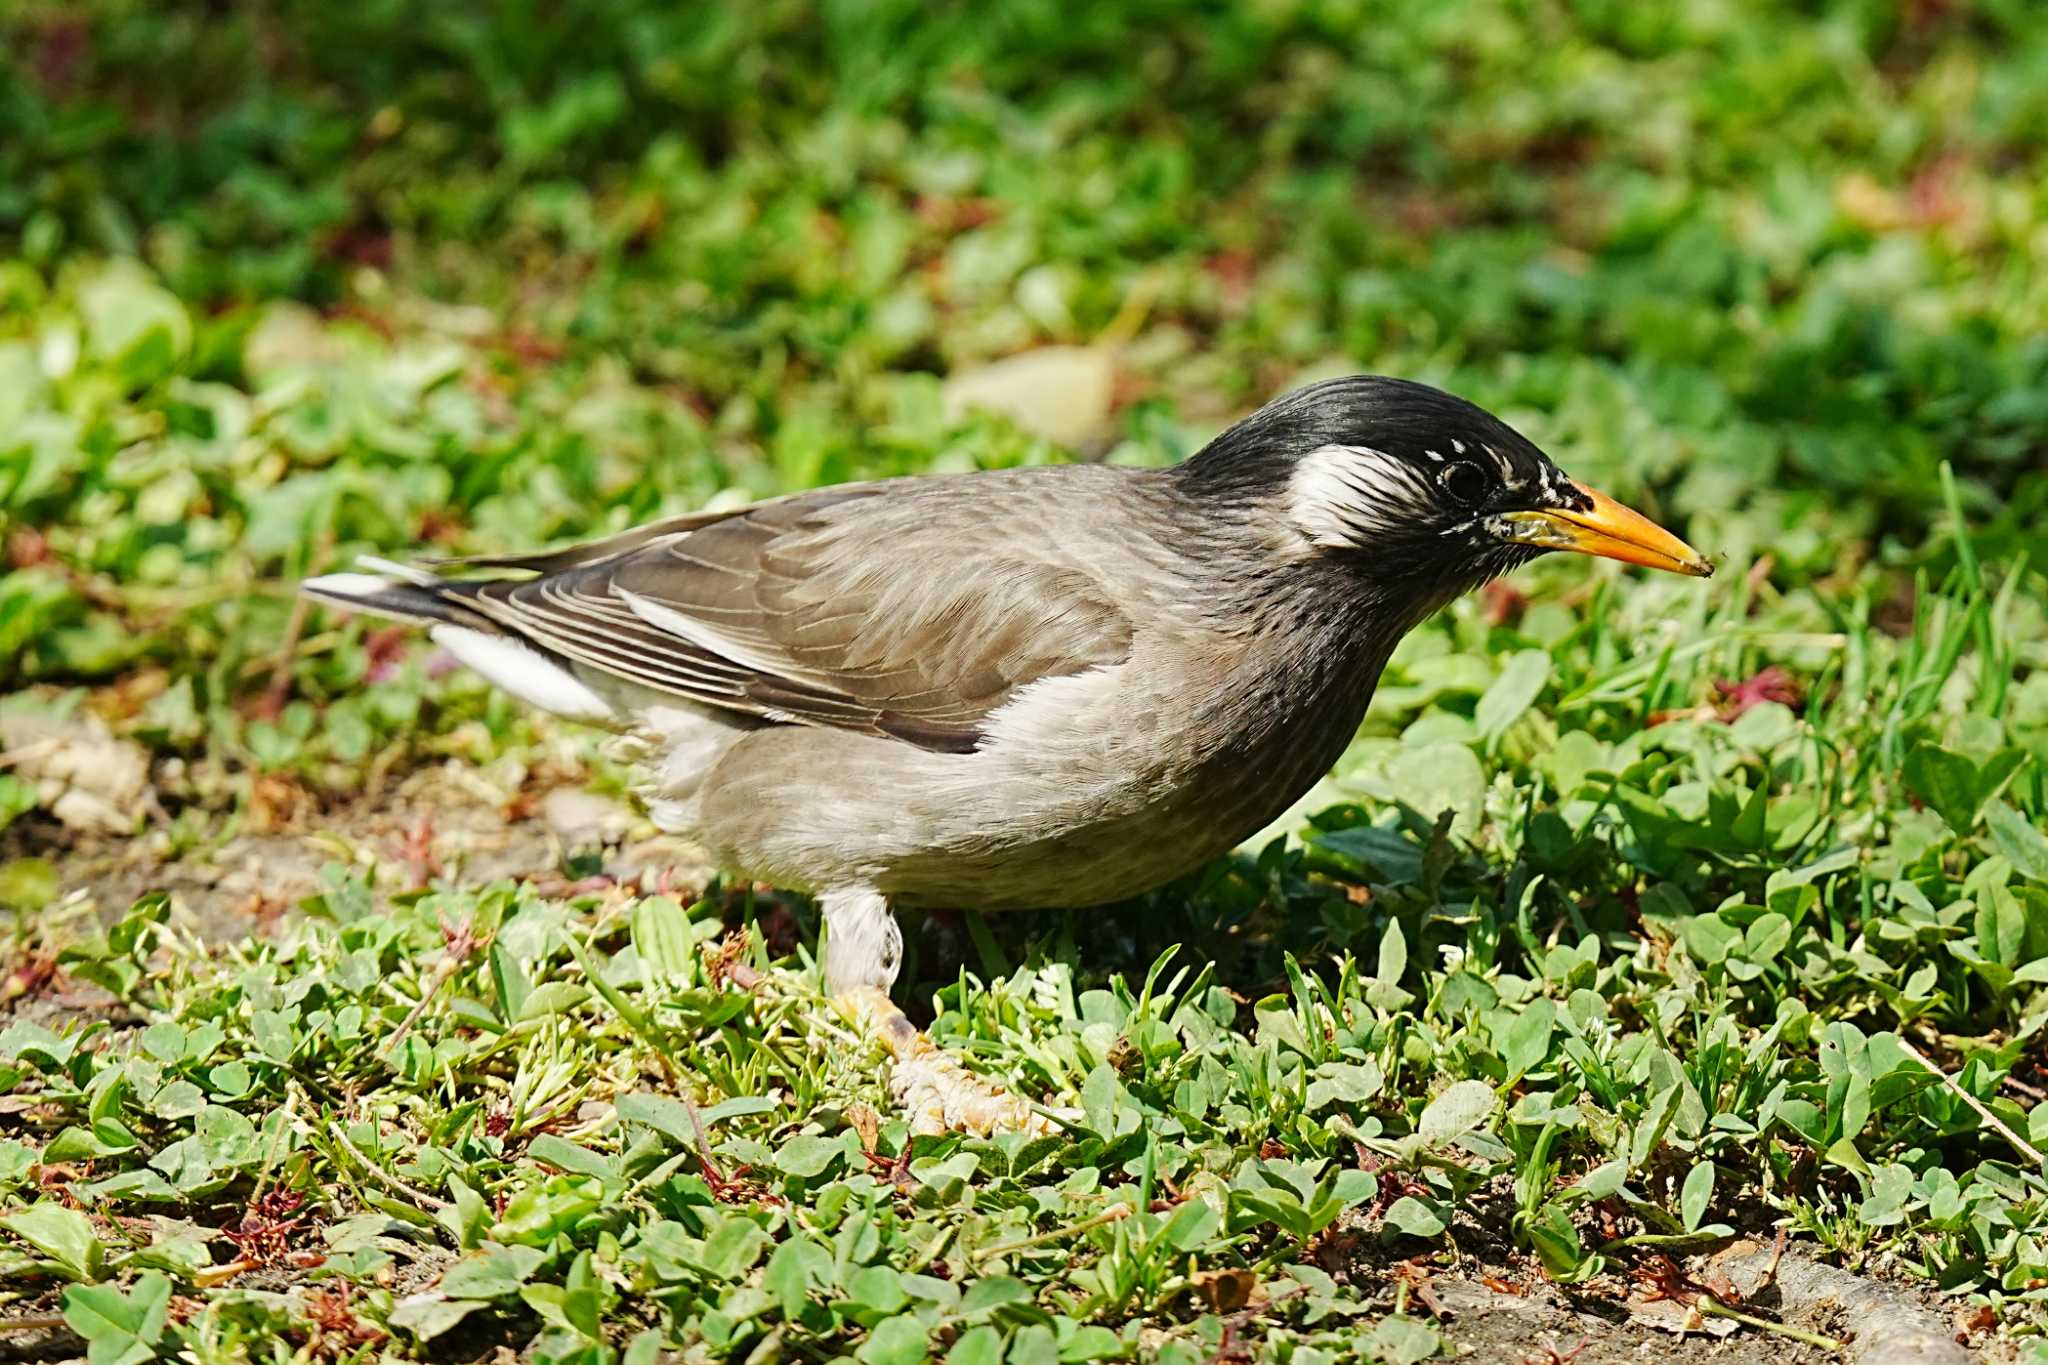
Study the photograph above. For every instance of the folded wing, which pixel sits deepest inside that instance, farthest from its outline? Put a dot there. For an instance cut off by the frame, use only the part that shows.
(883, 608)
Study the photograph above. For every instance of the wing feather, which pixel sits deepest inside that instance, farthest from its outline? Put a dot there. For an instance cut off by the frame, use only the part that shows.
(896, 609)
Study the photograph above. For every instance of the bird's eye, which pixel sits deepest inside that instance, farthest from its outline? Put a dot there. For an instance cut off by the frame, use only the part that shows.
(1467, 483)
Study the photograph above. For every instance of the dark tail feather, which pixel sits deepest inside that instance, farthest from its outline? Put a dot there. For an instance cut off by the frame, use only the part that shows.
(382, 595)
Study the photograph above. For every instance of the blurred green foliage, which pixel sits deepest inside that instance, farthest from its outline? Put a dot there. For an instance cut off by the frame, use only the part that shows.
(1660, 877)
(294, 281)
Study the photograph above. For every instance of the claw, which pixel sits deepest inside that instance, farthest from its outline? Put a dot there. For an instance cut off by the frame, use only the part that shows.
(940, 1095)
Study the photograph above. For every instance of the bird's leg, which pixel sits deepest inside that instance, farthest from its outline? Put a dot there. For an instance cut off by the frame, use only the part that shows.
(863, 951)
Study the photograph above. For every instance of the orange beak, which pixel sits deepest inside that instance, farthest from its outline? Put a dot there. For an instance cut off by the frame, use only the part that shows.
(1610, 530)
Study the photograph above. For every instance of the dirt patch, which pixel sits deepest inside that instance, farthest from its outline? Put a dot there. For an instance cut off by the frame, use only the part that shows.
(1880, 1323)
(440, 823)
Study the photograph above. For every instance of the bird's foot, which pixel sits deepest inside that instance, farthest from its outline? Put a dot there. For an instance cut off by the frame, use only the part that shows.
(939, 1094)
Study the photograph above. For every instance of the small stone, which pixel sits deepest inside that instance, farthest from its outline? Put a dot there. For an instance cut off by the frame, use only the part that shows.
(580, 818)
(89, 778)
(1063, 393)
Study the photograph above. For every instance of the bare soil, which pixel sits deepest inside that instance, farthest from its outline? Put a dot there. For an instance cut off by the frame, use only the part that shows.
(439, 823)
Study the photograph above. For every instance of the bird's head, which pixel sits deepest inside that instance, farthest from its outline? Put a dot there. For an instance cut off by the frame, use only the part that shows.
(1418, 488)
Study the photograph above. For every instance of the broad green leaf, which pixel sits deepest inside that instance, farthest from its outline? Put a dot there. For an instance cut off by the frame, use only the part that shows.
(1414, 1217)
(669, 1117)
(1520, 682)
(511, 983)
(426, 1316)
(992, 1292)
(539, 1213)
(1106, 1106)
(1401, 1340)
(1090, 1343)
(492, 1273)
(1393, 954)
(936, 1174)
(1282, 1208)
(1344, 1082)
(2001, 925)
(1766, 938)
(977, 1346)
(119, 1328)
(645, 1348)
(1431, 779)
(1649, 1130)
(877, 1287)
(1947, 782)
(807, 1154)
(549, 999)
(894, 1341)
(1710, 939)
(1696, 1195)
(178, 1100)
(64, 1235)
(739, 1106)
(2022, 843)
(1891, 1187)
(1804, 1118)
(1526, 1041)
(1557, 1244)
(1187, 1228)
(226, 1138)
(274, 1034)
(1464, 1107)
(662, 938)
(133, 322)
(31, 1042)
(1748, 827)
(1603, 1181)
(731, 1251)
(230, 1080)
(568, 1156)
(792, 1271)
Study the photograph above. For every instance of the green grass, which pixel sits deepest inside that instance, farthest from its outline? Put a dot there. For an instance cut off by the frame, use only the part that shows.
(1600, 941)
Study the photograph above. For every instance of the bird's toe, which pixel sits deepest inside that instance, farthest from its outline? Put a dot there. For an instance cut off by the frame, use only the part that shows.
(941, 1096)
(936, 1092)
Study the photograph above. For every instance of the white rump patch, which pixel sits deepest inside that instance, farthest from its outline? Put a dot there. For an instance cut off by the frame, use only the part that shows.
(680, 744)
(1341, 495)
(1039, 718)
(524, 672)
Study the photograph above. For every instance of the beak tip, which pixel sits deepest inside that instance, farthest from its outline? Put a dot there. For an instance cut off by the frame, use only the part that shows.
(1620, 533)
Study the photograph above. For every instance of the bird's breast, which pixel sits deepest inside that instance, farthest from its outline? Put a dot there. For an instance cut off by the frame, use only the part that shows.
(1105, 785)
(1087, 788)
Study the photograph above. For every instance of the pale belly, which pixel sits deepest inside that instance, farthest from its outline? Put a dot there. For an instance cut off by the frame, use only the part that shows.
(1044, 827)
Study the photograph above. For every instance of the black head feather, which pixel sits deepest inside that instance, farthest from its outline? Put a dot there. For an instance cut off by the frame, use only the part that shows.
(1414, 422)
(1399, 481)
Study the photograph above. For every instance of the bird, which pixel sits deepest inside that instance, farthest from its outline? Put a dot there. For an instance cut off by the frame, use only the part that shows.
(1051, 687)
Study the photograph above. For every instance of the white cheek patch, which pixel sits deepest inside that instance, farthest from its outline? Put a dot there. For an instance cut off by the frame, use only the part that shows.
(1340, 495)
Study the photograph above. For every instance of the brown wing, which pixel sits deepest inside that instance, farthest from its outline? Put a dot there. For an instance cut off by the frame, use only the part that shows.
(908, 609)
